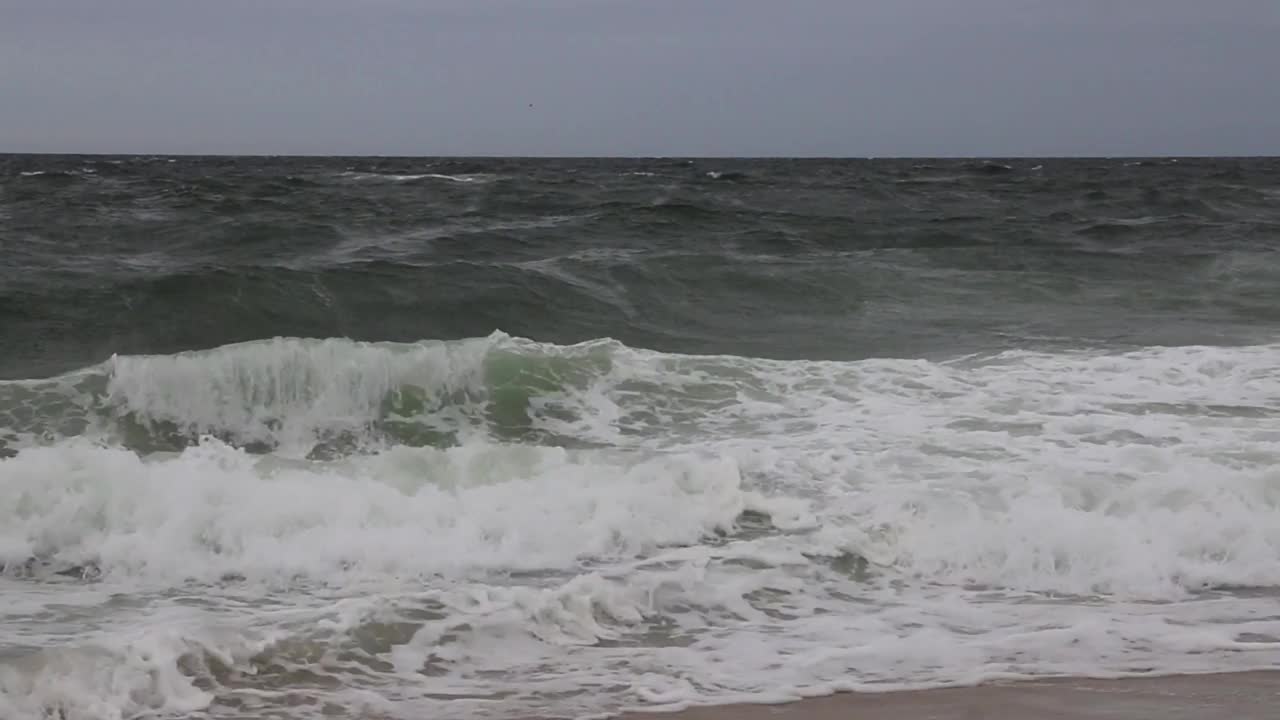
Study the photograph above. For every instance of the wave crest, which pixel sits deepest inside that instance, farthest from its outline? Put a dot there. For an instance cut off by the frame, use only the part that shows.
(297, 395)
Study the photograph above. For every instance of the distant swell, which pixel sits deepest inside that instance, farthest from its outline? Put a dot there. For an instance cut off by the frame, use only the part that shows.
(787, 259)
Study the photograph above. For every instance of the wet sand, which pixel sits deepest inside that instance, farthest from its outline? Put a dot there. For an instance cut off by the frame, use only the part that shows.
(1233, 696)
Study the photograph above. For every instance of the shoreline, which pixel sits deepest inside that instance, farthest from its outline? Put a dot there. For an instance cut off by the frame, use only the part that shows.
(1248, 695)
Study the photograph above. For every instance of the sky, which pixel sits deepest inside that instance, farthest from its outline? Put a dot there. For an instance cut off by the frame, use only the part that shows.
(847, 78)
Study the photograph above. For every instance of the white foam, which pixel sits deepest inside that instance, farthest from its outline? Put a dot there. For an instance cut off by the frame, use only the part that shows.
(213, 510)
(1021, 514)
(117, 676)
(471, 178)
(1146, 474)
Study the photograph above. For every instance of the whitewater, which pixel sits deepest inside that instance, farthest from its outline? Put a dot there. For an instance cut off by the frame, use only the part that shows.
(497, 527)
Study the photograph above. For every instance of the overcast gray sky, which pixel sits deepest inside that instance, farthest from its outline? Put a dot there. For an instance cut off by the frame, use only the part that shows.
(641, 77)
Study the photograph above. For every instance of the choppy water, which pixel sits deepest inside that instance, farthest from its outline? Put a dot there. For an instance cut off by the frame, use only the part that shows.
(411, 438)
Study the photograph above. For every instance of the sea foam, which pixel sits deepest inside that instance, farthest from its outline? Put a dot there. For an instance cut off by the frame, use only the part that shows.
(662, 529)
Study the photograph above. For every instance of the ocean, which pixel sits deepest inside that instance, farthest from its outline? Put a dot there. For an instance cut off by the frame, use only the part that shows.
(399, 438)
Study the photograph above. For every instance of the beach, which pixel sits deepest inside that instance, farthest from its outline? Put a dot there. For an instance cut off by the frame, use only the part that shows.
(1234, 696)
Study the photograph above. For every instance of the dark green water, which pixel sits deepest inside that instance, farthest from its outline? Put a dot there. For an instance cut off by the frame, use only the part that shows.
(787, 259)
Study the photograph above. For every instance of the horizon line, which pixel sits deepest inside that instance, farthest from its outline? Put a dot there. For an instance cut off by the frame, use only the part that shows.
(488, 156)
